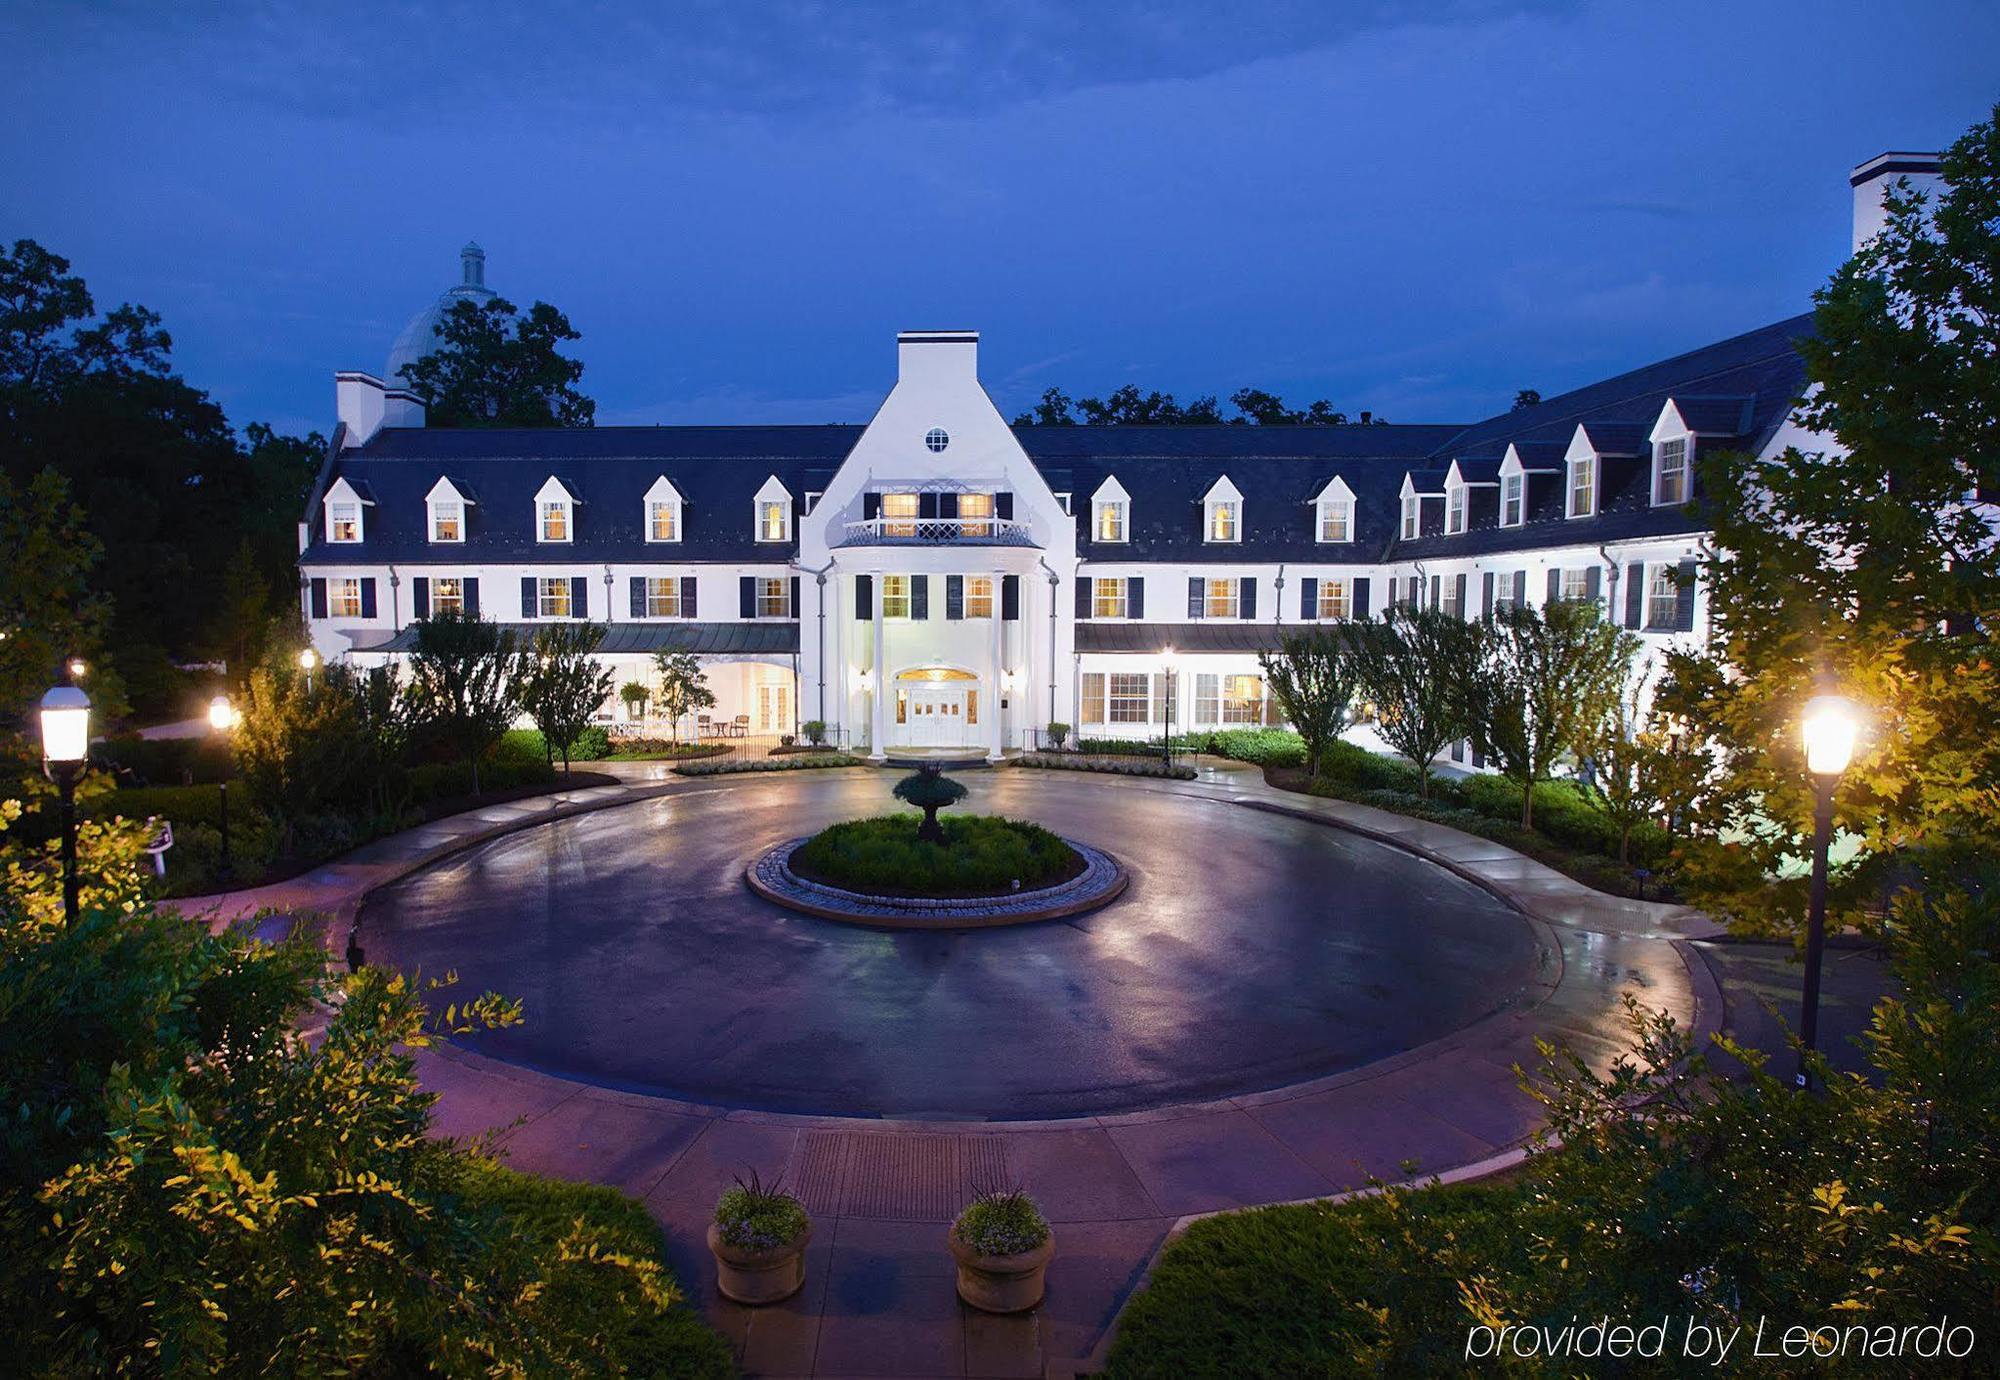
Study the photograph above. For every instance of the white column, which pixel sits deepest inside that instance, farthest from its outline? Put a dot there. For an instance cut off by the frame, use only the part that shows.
(993, 736)
(878, 728)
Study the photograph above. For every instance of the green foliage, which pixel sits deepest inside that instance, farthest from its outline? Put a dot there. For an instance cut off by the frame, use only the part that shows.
(815, 731)
(166, 761)
(1267, 747)
(1127, 406)
(1002, 1222)
(593, 744)
(318, 743)
(48, 607)
(1109, 764)
(463, 690)
(1418, 666)
(635, 694)
(1313, 676)
(1901, 371)
(683, 687)
(804, 761)
(1058, 732)
(561, 685)
(755, 1216)
(1547, 680)
(981, 855)
(494, 367)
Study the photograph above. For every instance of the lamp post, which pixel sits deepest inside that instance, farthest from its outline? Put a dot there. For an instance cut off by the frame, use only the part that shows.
(222, 717)
(1829, 727)
(307, 660)
(65, 744)
(1167, 665)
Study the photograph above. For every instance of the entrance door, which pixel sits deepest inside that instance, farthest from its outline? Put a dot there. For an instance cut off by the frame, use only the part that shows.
(937, 716)
(774, 708)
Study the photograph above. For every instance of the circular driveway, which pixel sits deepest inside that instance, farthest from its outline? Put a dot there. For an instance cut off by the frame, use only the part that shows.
(1252, 950)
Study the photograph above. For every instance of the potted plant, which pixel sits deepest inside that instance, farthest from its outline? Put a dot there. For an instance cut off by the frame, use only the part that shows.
(1003, 1245)
(759, 1238)
(1058, 734)
(815, 731)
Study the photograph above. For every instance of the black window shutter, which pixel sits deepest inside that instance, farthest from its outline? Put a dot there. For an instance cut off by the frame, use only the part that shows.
(1361, 597)
(637, 606)
(1010, 598)
(368, 596)
(420, 597)
(1083, 596)
(1593, 582)
(1635, 594)
(920, 597)
(1246, 597)
(1308, 598)
(792, 610)
(1684, 600)
(1437, 584)
(954, 597)
(864, 598)
(947, 505)
(871, 506)
(687, 596)
(1135, 597)
(927, 505)
(1462, 610)
(317, 593)
(1486, 596)
(1196, 600)
(1415, 586)
(1555, 584)
(528, 606)
(472, 598)
(1520, 588)
(1003, 506)
(579, 596)
(746, 596)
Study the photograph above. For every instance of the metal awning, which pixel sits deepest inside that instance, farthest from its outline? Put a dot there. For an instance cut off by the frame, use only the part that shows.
(1219, 635)
(706, 639)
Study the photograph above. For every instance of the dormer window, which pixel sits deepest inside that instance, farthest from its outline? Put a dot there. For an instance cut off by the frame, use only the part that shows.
(1513, 504)
(445, 507)
(1413, 516)
(772, 512)
(1222, 513)
(1109, 523)
(555, 512)
(1336, 520)
(663, 511)
(1582, 486)
(1454, 509)
(1670, 471)
(343, 522)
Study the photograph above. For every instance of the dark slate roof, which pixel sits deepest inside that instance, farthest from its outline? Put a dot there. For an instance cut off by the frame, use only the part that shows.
(715, 639)
(1745, 386)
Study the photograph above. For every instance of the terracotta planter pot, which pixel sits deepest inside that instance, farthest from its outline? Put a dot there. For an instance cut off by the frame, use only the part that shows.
(755, 1277)
(1001, 1283)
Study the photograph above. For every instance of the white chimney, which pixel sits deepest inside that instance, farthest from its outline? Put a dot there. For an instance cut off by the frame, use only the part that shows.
(359, 404)
(401, 407)
(1875, 177)
(927, 357)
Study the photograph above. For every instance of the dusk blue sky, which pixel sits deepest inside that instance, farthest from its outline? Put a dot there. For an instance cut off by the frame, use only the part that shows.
(1413, 208)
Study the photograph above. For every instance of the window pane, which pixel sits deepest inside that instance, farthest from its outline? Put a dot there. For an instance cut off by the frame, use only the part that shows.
(895, 596)
(553, 597)
(1673, 471)
(975, 515)
(1129, 698)
(978, 596)
(1205, 699)
(774, 597)
(344, 598)
(1242, 699)
(1663, 598)
(447, 594)
(1582, 488)
(1107, 598)
(1411, 513)
(1221, 599)
(1093, 697)
(1222, 521)
(663, 597)
(771, 521)
(1111, 522)
(1333, 520)
(1334, 599)
(899, 515)
(1455, 516)
(445, 521)
(1576, 583)
(344, 521)
(665, 523)
(1510, 500)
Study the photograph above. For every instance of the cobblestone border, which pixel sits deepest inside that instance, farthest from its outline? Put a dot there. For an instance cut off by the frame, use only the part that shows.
(1102, 880)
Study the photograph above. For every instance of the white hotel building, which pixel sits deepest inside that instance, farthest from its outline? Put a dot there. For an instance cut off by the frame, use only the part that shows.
(938, 578)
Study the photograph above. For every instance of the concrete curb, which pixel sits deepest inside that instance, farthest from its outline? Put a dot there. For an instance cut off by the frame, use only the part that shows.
(1076, 896)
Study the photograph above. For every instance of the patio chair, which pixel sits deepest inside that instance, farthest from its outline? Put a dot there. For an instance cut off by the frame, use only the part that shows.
(740, 726)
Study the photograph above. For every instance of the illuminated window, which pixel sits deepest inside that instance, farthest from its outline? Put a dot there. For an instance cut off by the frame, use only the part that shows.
(1224, 520)
(447, 520)
(975, 515)
(1583, 486)
(555, 520)
(899, 515)
(1093, 697)
(1511, 487)
(1663, 597)
(1242, 699)
(663, 520)
(978, 596)
(774, 520)
(1412, 517)
(895, 596)
(447, 594)
(1336, 520)
(343, 522)
(1670, 481)
(343, 598)
(1336, 599)
(1220, 601)
(663, 597)
(552, 597)
(1107, 598)
(774, 597)
(1128, 698)
(1110, 525)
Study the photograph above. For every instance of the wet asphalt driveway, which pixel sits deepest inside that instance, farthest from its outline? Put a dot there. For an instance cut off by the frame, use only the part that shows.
(1252, 950)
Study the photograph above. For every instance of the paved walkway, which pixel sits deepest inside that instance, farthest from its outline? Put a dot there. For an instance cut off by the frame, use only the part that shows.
(879, 1298)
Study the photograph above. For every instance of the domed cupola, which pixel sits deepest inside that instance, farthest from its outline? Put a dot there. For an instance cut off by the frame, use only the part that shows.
(420, 337)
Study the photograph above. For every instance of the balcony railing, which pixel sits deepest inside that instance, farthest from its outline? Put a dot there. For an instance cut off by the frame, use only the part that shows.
(961, 531)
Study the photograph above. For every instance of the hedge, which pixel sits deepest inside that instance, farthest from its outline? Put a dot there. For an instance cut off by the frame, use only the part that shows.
(1110, 766)
(740, 764)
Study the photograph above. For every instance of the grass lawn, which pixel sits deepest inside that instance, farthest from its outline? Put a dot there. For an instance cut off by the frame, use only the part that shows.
(982, 855)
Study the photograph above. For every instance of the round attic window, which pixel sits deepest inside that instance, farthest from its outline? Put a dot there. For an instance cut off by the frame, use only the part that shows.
(937, 438)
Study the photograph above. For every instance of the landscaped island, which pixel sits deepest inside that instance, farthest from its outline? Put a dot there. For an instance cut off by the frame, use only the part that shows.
(980, 855)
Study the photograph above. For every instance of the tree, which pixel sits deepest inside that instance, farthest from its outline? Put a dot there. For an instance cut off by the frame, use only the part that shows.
(49, 610)
(462, 683)
(1526, 397)
(1414, 664)
(494, 367)
(930, 790)
(683, 688)
(1544, 687)
(187, 1184)
(1863, 567)
(243, 612)
(562, 685)
(318, 743)
(1313, 677)
(1629, 760)
(1128, 406)
(635, 694)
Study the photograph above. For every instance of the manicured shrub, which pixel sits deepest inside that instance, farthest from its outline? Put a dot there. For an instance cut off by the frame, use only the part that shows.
(1110, 766)
(663, 750)
(1003, 1223)
(754, 1216)
(593, 744)
(982, 855)
(790, 762)
(1119, 747)
(1273, 747)
(165, 761)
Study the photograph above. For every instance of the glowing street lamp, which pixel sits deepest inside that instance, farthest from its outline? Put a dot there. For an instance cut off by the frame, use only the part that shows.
(222, 717)
(65, 744)
(1828, 727)
(308, 659)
